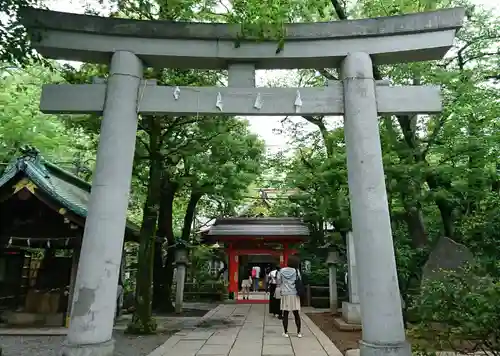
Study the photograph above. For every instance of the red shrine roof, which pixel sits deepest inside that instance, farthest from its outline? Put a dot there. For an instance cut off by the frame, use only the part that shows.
(276, 228)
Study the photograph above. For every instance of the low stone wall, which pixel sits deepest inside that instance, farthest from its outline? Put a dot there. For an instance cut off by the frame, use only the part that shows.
(34, 319)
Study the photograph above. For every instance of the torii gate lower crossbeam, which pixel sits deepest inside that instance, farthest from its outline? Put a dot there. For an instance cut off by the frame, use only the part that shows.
(166, 100)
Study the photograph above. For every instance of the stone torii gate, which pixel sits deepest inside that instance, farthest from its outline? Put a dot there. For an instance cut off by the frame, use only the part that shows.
(130, 45)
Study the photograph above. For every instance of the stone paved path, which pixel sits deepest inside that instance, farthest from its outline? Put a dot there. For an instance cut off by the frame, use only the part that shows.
(247, 330)
(255, 296)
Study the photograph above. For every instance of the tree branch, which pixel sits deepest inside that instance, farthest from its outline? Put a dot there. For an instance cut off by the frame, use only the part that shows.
(481, 55)
(304, 161)
(339, 10)
(324, 133)
(194, 198)
(178, 121)
(494, 77)
(342, 15)
(325, 73)
(433, 136)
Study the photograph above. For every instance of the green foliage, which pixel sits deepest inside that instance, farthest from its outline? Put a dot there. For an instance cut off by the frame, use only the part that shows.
(199, 257)
(21, 122)
(238, 155)
(318, 275)
(265, 20)
(482, 234)
(195, 159)
(317, 178)
(459, 312)
(14, 45)
(212, 290)
(137, 327)
(442, 171)
(202, 284)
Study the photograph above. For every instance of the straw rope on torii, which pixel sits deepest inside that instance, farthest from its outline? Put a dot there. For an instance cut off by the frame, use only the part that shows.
(26, 241)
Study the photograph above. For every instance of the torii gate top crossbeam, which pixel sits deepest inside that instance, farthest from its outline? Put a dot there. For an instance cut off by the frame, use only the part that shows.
(406, 38)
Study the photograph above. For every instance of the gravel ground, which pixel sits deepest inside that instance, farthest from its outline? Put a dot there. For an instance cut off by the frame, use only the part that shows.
(125, 345)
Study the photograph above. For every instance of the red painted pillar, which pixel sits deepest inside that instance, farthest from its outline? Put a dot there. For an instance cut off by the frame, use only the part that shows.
(233, 272)
(285, 254)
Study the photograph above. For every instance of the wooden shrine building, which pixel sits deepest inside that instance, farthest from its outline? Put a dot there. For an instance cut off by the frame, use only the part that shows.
(41, 207)
(258, 241)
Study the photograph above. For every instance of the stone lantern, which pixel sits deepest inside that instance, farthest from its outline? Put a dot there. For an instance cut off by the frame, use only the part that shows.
(181, 262)
(331, 261)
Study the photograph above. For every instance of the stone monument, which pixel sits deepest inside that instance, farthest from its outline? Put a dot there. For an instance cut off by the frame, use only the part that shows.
(447, 255)
(129, 46)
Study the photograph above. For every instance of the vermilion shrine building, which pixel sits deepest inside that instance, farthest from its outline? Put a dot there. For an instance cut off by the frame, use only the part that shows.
(272, 239)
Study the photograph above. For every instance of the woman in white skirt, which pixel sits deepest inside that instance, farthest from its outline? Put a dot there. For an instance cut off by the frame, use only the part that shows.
(245, 286)
(290, 300)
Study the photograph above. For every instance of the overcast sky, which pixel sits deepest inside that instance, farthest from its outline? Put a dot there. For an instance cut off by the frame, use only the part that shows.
(261, 125)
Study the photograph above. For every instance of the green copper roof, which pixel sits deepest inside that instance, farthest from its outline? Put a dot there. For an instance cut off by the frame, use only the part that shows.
(68, 190)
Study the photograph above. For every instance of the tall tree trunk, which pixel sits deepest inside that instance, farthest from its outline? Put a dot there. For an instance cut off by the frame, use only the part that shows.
(445, 207)
(495, 181)
(194, 198)
(142, 320)
(416, 227)
(166, 232)
(414, 215)
(158, 288)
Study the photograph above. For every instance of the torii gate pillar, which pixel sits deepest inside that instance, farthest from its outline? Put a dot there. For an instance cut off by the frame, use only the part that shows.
(90, 333)
(377, 276)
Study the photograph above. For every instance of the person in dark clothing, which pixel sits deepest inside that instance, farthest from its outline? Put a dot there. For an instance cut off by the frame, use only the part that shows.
(274, 302)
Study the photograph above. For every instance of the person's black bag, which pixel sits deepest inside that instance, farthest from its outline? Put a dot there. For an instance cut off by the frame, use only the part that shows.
(299, 285)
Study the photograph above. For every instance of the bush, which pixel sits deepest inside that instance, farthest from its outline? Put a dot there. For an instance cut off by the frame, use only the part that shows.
(320, 303)
(211, 290)
(459, 312)
(317, 276)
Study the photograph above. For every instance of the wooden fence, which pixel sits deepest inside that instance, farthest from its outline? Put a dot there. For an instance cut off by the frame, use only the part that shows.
(317, 296)
(193, 292)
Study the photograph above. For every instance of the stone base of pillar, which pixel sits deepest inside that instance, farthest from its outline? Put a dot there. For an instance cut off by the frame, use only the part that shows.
(398, 349)
(351, 312)
(102, 349)
(342, 325)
